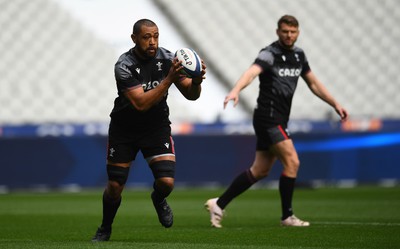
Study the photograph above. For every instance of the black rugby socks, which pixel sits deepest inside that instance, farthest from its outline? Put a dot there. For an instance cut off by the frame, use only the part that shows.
(240, 184)
(286, 189)
(159, 195)
(110, 208)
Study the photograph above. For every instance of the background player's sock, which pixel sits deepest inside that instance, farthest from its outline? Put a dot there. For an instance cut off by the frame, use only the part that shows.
(240, 184)
(286, 189)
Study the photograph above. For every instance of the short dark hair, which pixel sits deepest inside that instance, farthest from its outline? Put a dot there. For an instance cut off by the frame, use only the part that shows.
(138, 25)
(289, 20)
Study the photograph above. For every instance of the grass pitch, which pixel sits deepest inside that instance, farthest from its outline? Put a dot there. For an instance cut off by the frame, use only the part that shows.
(363, 217)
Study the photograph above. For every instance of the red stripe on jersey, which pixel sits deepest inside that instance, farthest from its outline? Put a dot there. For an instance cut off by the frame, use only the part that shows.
(172, 144)
(283, 132)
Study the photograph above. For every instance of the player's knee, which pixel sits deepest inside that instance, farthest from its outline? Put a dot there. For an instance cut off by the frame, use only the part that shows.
(259, 172)
(164, 173)
(292, 162)
(163, 169)
(295, 164)
(113, 190)
(165, 184)
(292, 168)
(117, 175)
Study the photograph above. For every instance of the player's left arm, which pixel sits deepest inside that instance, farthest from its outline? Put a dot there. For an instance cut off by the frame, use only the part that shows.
(191, 87)
(319, 89)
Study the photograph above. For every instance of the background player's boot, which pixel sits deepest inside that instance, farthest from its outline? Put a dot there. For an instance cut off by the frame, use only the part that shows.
(293, 221)
(102, 234)
(164, 212)
(216, 213)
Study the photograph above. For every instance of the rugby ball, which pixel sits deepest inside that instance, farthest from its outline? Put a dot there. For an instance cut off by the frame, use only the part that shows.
(191, 62)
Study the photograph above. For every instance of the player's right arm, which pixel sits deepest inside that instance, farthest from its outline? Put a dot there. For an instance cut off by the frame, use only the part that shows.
(247, 77)
(144, 100)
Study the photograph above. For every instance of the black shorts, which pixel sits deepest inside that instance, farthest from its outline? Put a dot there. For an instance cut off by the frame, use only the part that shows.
(124, 144)
(269, 133)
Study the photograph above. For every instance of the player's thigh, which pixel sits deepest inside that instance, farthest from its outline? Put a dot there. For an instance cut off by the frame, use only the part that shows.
(159, 152)
(158, 145)
(277, 141)
(286, 153)
(263, 162)
(122, 146)
(121, 154)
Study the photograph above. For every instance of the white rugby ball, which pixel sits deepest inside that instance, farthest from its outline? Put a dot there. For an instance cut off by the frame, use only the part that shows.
(191, 62)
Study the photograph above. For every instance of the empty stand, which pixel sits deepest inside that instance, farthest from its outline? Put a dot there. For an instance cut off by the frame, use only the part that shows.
(53, 69)
(351, 46)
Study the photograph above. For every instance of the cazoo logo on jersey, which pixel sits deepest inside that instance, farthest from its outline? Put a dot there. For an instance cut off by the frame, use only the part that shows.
(150, 85)
(289, 72)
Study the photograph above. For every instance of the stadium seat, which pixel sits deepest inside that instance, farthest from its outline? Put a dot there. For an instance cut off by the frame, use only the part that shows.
(349, 45)
(53, 69)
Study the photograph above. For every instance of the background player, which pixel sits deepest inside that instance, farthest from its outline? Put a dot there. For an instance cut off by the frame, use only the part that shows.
(140, 121)
(279, 67)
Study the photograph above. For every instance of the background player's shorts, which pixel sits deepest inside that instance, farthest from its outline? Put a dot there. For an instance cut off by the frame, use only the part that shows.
(123, 145)
(269, 134)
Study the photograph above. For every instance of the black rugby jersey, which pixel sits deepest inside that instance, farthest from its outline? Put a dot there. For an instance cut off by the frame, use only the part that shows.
(278, 80)
(132, 71)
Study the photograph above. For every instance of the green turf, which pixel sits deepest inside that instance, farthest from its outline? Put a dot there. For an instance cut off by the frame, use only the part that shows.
(364, 217)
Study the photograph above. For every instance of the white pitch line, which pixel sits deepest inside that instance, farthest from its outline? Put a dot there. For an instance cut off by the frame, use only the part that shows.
(355, 223)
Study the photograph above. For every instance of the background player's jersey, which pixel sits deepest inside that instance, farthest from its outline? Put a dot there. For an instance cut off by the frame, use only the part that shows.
(278, 80)
(132, 71)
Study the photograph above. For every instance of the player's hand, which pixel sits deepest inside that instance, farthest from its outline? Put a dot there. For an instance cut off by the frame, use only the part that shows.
(174, 73)
(198, 80)
(231, 96)
(343, 114)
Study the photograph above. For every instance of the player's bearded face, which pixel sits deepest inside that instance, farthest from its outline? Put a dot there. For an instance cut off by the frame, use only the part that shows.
(287, 35)
(146, 41)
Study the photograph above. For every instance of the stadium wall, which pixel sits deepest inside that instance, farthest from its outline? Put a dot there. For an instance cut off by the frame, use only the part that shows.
(202, 160)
